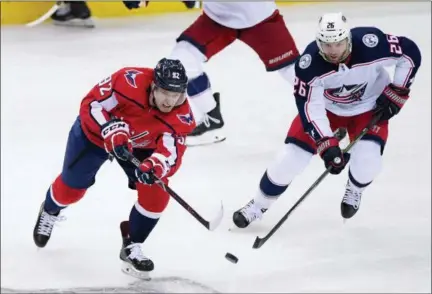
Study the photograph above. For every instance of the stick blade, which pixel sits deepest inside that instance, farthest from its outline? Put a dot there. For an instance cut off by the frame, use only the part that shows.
(214, 223)
(258, 243)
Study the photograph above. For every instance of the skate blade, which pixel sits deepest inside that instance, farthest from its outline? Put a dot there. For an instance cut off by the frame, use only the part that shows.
(208, 138)
(80, 23)
(129, 270)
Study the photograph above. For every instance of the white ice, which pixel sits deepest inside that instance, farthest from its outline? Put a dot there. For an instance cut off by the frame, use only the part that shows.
(386, 247)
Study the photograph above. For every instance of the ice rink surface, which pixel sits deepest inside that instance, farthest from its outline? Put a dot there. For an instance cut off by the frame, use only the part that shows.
(46, 71)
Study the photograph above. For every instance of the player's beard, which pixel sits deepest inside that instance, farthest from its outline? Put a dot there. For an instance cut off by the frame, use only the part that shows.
(336, 59)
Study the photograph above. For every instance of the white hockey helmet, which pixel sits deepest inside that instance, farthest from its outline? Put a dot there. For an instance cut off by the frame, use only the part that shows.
(333, 28)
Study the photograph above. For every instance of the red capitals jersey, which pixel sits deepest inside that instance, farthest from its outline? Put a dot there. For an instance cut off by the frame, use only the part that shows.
(125, 95)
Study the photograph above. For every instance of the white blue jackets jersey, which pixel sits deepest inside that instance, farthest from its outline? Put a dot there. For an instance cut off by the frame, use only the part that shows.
(352, 88)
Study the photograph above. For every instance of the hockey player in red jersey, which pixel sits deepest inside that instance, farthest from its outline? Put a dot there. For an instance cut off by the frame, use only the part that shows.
(144, 111)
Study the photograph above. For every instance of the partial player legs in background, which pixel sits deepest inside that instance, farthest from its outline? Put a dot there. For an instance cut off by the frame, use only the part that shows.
(270, 39)
(195, 46)
(274, 44)
(73, 13)
(81, 163)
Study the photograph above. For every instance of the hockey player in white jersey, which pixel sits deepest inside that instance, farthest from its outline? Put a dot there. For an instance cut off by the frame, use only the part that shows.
(340, 82)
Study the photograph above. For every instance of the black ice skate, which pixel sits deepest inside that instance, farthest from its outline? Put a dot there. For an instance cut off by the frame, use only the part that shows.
(189, 4)
(208, 131)
(44, 226)
(351, 200)
(134, 262)
(249, 213)
(73, 13)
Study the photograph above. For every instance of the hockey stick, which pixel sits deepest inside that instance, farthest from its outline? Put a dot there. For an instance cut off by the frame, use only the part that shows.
(210, 225)
(261, 241)
(45, 16)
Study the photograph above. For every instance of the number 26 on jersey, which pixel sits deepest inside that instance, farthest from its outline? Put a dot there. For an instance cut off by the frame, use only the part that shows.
(300, 87)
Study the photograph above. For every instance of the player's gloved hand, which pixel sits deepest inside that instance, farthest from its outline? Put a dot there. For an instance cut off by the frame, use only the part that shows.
(329, 150)
(150, 170)
(133, 4)
(391, 100)
(116, 138)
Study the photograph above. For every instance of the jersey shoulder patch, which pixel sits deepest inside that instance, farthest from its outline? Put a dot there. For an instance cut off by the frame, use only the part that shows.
(370, 40)
(305, 61)
(132, 81)
(133, 75)
(180, 119)
(185, 116)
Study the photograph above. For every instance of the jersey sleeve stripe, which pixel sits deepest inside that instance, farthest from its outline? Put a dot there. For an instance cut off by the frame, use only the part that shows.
(97, 113)
(308, 115)
(406, 59)
(109, 103)
(170, 144)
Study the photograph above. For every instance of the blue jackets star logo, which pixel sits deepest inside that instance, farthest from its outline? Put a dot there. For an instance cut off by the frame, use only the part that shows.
(346, 94)
(131, 75)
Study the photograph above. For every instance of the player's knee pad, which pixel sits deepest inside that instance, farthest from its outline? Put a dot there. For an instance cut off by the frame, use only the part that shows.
(290, 162)
(152, 200)
(64, 195)
(366, 160)
(191, 58)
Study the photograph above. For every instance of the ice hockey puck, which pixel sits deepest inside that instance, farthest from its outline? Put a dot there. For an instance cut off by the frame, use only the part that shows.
(231, 257)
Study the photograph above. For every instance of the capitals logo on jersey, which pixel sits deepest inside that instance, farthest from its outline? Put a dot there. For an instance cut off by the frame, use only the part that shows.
(186, 118)
(346, 94)
(131, 75)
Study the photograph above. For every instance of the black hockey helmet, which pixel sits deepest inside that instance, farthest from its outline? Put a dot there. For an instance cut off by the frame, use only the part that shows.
(170, 75)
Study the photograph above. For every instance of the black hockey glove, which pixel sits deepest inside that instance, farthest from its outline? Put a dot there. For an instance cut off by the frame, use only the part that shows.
(329, 150)
(391, 100)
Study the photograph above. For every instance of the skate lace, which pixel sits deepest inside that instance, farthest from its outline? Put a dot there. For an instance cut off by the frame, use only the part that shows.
(352, 197)
(135, 252)
(208, 119)
(251, 212)
(47, 222)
